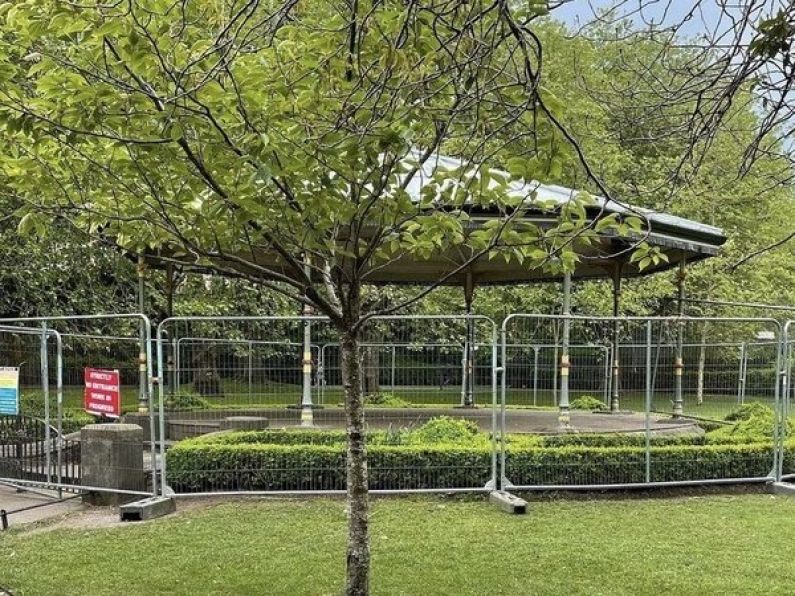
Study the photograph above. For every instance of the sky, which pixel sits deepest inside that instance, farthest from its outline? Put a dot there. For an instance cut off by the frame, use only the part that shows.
(708, 18)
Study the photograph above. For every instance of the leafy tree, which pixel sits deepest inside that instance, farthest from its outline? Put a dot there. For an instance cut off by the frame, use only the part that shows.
(63, 273)
(279, 142)
(709, 65)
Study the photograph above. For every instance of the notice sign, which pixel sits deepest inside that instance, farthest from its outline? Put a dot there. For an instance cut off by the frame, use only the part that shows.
(9, 390)
(102, 396)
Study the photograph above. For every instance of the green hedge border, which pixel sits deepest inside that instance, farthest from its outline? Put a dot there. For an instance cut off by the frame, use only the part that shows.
(244, 461)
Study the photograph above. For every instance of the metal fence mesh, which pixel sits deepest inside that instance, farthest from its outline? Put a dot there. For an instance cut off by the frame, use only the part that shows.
(42, 443)
(654, 385)
(664, 373)
(278, 373)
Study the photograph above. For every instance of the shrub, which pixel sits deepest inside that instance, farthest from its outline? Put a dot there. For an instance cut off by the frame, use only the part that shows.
(586, 402)
(609, 465)
(436, 431)
(748, 411)
(444, 429)
(385, 400)
(753, 422)
(218, 464)
(709, 425)
(186, 401)
(272, 437)
(619, 440)
(196, 467)
(31, 403)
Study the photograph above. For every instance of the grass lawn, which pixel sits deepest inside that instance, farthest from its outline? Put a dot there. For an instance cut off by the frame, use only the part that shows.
(738, 544)
(237, 396)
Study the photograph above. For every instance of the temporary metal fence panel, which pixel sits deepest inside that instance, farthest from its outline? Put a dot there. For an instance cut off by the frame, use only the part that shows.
(412, 371)
(784, 442)
(31, 447)
(710, 373)
(52, 354)
(415, 368)
(665, 371)
(249, 372)
(532, 370)
(247, 366)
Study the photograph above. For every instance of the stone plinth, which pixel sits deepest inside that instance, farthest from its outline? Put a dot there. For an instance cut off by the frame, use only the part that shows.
(244, 423)
(112, 457)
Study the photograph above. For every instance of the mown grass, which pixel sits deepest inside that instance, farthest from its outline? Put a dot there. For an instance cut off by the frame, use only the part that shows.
(736, 544)
(237, 396)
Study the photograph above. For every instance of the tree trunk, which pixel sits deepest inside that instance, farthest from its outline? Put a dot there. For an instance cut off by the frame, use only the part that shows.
(702, 361)
(358, 556)
(206, 377)
(371, 370)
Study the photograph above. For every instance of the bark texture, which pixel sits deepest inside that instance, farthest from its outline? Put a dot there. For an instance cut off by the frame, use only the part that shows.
(358, 555)
(702, 362)
(371, 370)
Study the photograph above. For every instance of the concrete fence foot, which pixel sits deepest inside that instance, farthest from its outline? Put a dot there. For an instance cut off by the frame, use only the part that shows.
(508, 502)
(782, 488)
(147, 509)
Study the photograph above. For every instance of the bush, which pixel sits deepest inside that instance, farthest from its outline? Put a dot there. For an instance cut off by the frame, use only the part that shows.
(224, 462)
(608, 465)
(273, 437)
(444, 429)
(385, 400)
(436, 431)
(586, 402)
(451, 453)
(753, 422)
(32, 404)
(748, 411)
(618, 440)
(196, 467)
(186, 401)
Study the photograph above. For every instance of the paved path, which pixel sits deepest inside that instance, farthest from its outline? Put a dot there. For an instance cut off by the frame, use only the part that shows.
(11, 500)
(516, 420)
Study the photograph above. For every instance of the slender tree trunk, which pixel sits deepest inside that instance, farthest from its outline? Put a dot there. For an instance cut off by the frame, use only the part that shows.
(372, 370)
(702, 362)
(358, 559)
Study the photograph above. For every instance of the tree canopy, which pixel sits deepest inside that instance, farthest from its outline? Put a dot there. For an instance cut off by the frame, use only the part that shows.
(274, 143)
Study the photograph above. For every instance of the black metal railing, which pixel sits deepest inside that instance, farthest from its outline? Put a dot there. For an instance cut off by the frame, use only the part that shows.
(29, 452)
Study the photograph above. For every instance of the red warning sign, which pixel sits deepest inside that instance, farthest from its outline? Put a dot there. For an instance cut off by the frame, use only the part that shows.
(102, 396)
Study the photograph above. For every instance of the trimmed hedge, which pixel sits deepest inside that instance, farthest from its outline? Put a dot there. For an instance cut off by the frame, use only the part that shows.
(442, 429)
(451, 453)
(195, 467)
(722, 436)
(202, 465)
(609, 465)
(271, 437)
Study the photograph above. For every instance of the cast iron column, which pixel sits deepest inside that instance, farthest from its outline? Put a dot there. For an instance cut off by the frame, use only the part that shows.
(614, 399)
(469, 347)
(678, 362)
(143, 401)
(307, 416)
(564, 417)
